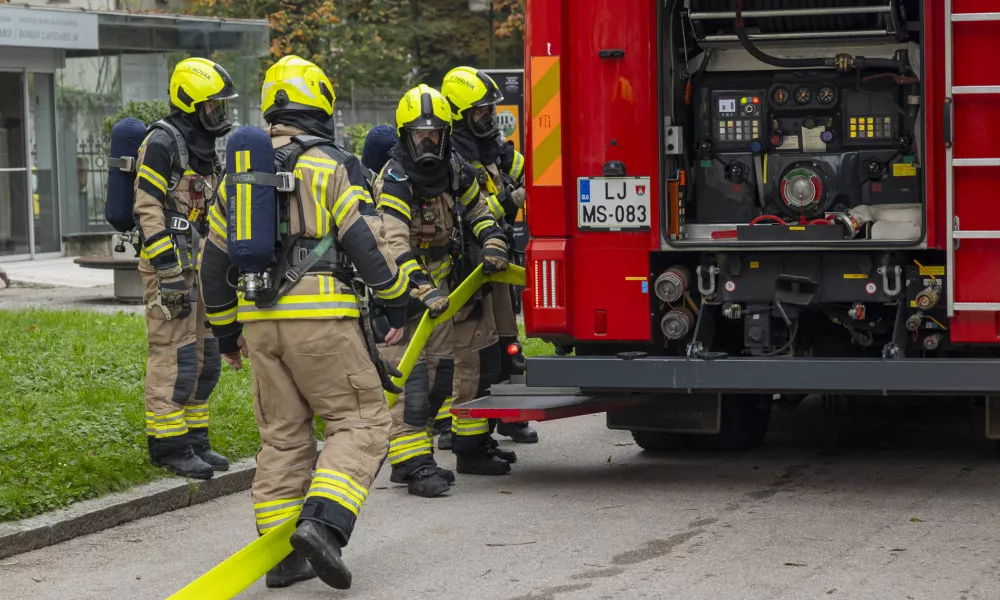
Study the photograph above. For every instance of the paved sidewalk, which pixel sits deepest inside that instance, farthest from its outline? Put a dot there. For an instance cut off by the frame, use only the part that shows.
(58, 283)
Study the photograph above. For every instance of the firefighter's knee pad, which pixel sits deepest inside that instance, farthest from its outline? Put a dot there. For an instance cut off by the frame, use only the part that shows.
(417, 406)
(489, 368)
(444, 377)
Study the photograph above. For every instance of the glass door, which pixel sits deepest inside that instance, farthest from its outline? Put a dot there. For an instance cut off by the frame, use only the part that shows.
(42, 143)
(14, 214)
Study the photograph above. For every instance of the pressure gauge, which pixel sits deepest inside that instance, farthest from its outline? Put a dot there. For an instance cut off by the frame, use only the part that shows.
(779, 97)
(826, 95)
(803, 95)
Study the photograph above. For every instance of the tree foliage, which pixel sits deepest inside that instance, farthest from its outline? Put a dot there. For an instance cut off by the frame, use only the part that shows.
(382, 43)
(508, 18)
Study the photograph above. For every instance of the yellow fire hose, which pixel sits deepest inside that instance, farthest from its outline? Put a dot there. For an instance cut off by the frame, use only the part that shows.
(239, 571)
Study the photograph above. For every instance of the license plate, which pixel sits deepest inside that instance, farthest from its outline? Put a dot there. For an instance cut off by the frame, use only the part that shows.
(613, 203)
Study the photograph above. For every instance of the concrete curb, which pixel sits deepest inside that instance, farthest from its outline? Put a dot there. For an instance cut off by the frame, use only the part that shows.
(91, 516)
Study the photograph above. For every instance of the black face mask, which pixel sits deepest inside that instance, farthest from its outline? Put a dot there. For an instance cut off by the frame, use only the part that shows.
(430, 179)
(484, 149)
(201, 143)
(312, 122)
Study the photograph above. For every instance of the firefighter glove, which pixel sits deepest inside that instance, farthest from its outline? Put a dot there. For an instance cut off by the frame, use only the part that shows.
(518, 196)
(434, 299)
(386, 371)
(494, 256)
(174, 292)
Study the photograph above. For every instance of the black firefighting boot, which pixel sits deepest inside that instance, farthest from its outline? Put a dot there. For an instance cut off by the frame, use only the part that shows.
(481, 462)
(445, 440)
(401, 474)
(320, 545)
(520, 433)
(203, 450)
(427, 483)
(179, 460)
(505, 455)
(292, 569)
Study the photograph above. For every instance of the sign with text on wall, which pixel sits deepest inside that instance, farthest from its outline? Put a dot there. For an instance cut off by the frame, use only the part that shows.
(39, 28)
(510, 111)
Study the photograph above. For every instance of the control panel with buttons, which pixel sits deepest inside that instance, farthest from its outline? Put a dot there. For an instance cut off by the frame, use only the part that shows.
(870, 127)
(737, 118)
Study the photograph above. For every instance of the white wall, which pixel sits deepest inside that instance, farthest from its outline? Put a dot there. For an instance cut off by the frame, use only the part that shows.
(130, 5)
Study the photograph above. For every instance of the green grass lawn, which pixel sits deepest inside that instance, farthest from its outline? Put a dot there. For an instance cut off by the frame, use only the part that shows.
(72, 417)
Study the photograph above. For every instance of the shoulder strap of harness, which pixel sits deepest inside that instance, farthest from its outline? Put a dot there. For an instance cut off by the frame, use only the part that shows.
(183, 155)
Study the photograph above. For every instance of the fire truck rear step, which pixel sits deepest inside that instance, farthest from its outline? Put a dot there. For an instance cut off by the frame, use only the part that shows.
(517, 402)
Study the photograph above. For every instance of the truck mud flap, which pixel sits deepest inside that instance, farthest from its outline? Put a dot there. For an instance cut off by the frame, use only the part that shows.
(516, 402)
(597, 375)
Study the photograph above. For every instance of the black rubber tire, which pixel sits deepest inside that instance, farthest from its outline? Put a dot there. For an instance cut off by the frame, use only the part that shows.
(745, 419)
(658, 442)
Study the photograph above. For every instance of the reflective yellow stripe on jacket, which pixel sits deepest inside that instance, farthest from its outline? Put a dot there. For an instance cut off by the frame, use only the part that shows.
(327, 304)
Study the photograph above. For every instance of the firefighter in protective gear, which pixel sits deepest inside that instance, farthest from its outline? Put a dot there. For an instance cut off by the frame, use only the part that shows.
(171, 200)
(378, 144)
(308, 350)
(428, 196)
(473, 96)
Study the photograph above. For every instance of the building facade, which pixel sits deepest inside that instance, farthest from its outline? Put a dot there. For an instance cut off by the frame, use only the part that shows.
(66, 66)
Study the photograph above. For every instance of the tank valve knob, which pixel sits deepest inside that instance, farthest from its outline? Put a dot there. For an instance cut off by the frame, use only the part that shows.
(756, 146)
(777, 139)
(932, 341)
(874, 168)
(733, 312)
(904, 143)
(827, 136)
(914, 322)
(927, 299)
(736, 172)
(857, 312)
(705, 148)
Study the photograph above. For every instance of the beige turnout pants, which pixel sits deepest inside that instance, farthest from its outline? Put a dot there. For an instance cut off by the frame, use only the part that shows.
(413, 414)
(303, 368)
(477, 366)
(183, 366)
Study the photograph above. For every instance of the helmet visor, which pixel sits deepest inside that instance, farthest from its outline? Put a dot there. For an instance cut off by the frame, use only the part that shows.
(214, 115)
(482, 119)
(426, 145)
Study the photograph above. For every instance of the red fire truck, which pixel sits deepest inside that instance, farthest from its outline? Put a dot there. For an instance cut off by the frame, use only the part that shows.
(734, 202)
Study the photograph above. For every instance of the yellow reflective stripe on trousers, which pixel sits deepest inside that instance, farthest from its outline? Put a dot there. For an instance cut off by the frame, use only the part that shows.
(338, 487)
(470, 427)
(275, 512)
(409, 446)
(309, 306)
(217, 222)
(196, 415)
(445, 411)
(163, 426)
(223, 317)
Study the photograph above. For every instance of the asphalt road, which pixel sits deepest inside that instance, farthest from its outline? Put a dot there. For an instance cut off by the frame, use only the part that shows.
(890, 503)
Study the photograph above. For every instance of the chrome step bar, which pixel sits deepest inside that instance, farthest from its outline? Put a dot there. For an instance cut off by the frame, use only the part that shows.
(970, 17)
(975, 162)
(976, 89)
(977, 306)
